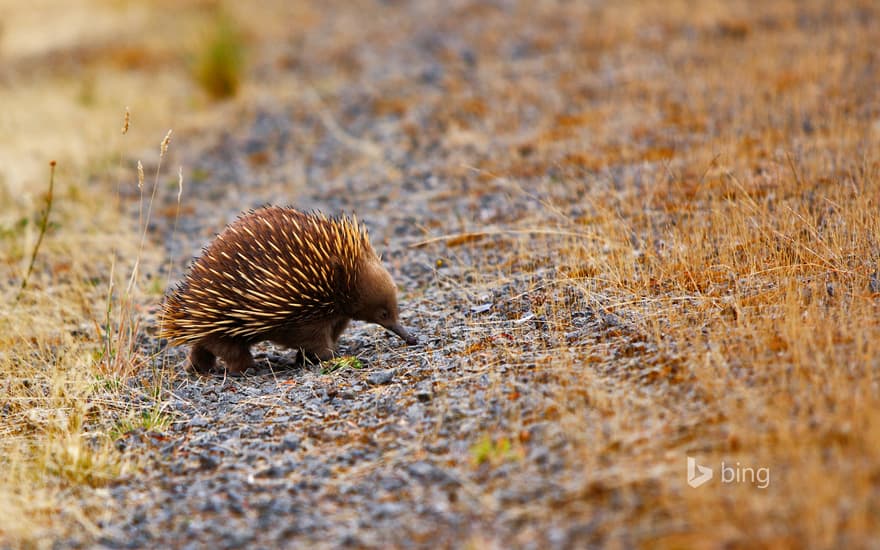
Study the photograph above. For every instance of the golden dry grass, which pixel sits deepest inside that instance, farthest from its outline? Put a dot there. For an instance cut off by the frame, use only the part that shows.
(68, 340)
(729, 220)
(727, 188)
(69, 343)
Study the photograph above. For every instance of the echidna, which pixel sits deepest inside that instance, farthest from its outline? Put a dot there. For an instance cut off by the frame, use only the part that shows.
(283, 275)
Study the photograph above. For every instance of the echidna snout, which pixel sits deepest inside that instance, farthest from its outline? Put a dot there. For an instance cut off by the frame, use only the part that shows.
(282, 275)
(378, 300)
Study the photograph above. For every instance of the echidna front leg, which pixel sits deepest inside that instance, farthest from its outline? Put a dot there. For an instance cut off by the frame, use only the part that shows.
(338, 327)
(321, 346)
(316, 352)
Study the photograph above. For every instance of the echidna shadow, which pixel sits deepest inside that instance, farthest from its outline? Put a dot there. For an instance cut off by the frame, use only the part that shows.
(279, 274)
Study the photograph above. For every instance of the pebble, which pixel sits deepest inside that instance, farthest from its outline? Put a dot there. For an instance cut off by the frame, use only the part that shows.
(289, 442)
(381, 377)
(424, 391)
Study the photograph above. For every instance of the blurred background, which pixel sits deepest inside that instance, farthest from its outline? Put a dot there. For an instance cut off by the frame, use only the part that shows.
(69, 70)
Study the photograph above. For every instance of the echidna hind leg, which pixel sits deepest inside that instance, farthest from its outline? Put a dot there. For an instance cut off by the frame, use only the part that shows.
(236, 356)
(201, 359)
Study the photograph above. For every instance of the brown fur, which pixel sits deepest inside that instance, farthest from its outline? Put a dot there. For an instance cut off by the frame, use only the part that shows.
(281, 275)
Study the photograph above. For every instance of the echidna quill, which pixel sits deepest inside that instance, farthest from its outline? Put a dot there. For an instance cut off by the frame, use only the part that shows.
(278, 274)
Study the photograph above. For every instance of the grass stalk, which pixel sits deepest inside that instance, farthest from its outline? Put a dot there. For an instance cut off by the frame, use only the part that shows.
(44, 226)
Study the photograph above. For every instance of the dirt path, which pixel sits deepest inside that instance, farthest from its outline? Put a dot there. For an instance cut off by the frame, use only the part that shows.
(375, 456)
(389, 454)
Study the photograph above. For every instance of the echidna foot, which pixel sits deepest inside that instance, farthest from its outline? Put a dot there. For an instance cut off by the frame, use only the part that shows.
(304, 357)
(238, 360)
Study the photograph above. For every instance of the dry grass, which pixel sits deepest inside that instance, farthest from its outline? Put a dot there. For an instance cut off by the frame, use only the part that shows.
(720, 200)
(53, 393)
(749, 337)
(68, 338)
(69, 345)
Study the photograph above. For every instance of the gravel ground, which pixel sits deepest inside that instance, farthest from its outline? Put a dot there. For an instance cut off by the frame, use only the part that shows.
(364, 457)
(384, 454)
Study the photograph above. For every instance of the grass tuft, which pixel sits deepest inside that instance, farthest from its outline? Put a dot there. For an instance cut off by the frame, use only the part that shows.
(153, 418)
(221, 61)
(341, 363)
(493, 451)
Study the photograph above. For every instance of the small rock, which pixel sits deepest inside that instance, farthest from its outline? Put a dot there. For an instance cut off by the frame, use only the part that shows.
(424, 392)
(199, 422)
(874, 282)
(272, 472)
(213, 505)
(235, 502)
(427, 472)
(208, 462)
(349, 540)
(169, 448)
(526, 317)
(387, 509)
(289, 442)
(381, 377)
